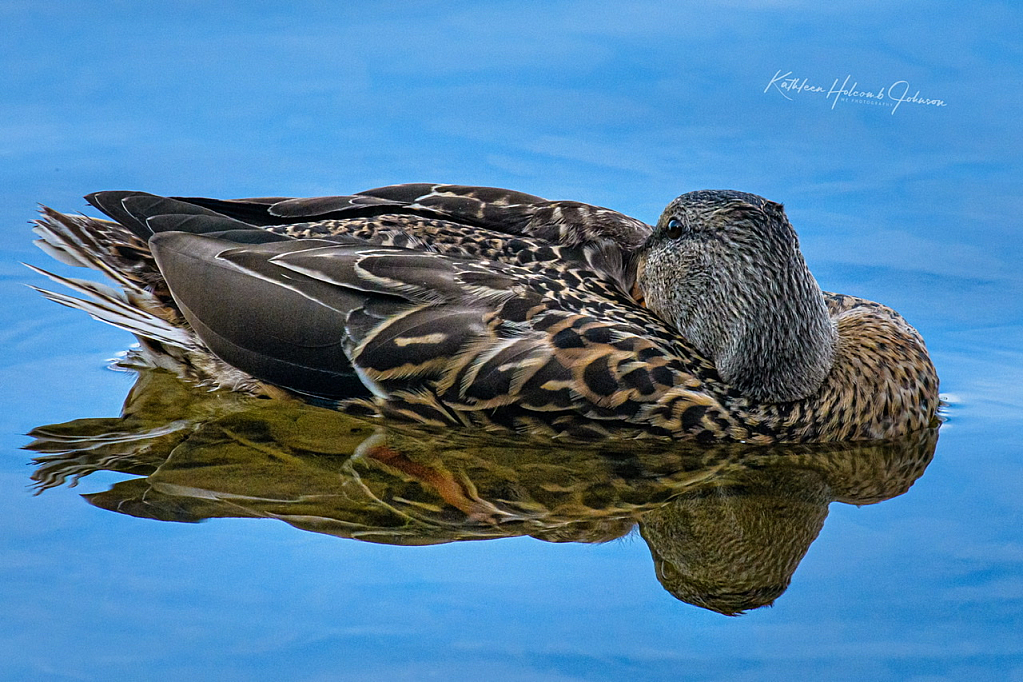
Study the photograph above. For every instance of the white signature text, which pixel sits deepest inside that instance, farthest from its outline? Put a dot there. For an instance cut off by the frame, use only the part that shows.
(894, 95)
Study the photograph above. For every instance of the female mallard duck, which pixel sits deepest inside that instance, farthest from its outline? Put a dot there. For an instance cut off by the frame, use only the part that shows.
(484, 307)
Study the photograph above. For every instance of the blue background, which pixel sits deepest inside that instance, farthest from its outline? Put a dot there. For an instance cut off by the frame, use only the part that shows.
(623, 105)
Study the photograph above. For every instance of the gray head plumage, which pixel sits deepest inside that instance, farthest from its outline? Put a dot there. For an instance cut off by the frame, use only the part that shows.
(725, 269)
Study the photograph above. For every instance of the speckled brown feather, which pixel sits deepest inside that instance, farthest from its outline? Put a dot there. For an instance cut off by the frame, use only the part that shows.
(494, 309)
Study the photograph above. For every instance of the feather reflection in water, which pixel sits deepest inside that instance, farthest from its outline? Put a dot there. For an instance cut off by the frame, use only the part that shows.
(726, 525)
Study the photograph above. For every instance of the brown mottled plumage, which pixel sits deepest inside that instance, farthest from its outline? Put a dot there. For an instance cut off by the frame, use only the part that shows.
(482, 307)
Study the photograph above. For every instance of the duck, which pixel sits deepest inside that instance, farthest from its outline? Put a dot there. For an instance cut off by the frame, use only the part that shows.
(486, 308)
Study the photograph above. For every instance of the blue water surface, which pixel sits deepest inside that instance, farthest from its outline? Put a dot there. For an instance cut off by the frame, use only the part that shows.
(619, 104)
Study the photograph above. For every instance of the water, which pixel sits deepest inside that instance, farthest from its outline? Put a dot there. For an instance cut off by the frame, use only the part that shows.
(625, 107)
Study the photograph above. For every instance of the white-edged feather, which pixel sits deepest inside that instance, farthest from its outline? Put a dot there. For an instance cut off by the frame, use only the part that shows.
(122, 310)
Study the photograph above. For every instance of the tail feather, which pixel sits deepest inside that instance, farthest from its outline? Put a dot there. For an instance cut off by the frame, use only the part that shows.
(128, 310)
(140, 302)
(102, 245)
(143, 306)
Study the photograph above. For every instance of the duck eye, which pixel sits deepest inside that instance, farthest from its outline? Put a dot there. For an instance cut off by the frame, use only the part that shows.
(673, 230)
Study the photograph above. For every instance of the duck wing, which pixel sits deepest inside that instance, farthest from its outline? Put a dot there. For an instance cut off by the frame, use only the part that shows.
(456, 220)
(310, 314)
(565, 223)
(434, 338)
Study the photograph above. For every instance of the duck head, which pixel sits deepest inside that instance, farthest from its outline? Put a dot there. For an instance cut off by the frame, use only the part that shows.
(725, 269)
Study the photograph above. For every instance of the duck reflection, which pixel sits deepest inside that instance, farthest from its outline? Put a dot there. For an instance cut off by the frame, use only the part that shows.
(726, 525)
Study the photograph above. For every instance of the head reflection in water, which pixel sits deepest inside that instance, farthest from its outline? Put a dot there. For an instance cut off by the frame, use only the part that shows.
(734, 546)
(726, 525)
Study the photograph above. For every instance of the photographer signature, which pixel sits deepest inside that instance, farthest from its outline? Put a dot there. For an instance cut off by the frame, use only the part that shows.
(894, 96)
